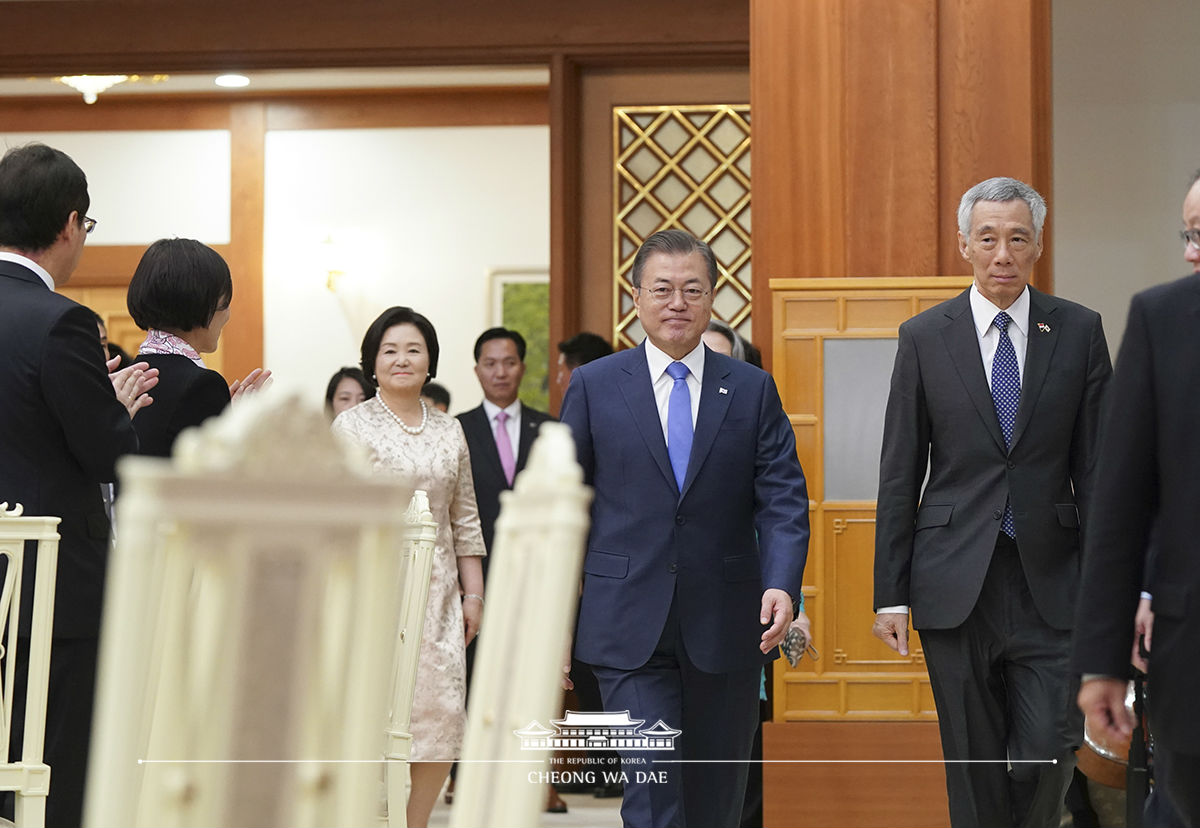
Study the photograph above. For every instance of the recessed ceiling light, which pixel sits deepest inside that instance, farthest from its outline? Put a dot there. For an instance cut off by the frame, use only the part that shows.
(232, 81)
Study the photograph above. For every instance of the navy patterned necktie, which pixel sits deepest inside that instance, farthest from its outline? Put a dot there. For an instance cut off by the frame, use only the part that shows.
(679, 422)
(1006, 395)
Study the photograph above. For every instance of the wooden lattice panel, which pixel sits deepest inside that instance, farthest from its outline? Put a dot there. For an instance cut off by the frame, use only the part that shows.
(685, 167)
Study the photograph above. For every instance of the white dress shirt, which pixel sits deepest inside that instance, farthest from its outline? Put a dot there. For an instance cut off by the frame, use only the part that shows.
(984, 314)
(31, 264)
(513, 425)
(658, 361)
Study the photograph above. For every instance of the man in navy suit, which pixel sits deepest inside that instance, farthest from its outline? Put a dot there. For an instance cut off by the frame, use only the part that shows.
(698, 541)
(61, 431)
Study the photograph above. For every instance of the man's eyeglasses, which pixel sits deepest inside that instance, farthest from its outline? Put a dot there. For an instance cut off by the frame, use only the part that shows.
(1191, 237)
(663, 294)
(89, 224)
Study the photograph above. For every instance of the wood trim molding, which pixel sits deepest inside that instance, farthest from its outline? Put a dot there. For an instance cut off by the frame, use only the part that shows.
(564, 210)
(872, 283)
(243, 338)
(465, 106)
(130, 36)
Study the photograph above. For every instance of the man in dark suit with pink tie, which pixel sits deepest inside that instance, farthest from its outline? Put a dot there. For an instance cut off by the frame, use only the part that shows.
(698, 541)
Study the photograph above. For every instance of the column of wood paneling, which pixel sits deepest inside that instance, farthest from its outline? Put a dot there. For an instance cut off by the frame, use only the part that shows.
(564, 210)
(243, 336)
(890, 138)
(796, 82)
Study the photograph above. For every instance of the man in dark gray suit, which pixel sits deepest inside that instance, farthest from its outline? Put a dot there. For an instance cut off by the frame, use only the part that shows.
(997, 394)
(1148, 478)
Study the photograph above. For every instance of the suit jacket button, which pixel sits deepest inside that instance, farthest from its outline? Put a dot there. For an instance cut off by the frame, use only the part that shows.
(680, 519)
(997, 514)
(1011, 464)
(673, 568)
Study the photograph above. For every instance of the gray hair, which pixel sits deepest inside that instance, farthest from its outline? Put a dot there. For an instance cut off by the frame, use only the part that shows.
(1002, 189)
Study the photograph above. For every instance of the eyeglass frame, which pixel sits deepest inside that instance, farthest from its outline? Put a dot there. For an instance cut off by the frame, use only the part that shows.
(1190, 237)
(665, 298)
(89, 224)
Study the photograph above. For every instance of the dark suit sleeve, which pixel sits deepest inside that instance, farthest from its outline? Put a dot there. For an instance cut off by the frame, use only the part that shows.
(1085, 442)
(206, 396)
(781, 498)
(902, 467)
(1123, 507)
(80, 396)
(575, 414)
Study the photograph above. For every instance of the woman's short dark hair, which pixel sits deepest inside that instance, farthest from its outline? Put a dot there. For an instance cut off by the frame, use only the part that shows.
(179, 285)
(349, 372)
(398, 315)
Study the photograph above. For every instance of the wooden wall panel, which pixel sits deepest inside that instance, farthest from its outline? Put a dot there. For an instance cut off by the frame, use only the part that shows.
(874, 116)
(988, 107)
(891, 132)
(853, 773)
(797, 88)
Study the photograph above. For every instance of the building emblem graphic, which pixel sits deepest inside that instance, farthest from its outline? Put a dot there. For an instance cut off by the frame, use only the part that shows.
(600, 731)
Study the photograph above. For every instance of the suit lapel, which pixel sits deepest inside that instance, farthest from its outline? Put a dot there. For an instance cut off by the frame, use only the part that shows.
(638, 392)
(529, 433)
(483, 428)
(716, 392)
(1043, 337)
(962, 342)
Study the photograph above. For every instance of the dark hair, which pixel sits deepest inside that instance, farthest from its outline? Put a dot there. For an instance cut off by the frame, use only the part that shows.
(753, 355)
(39, 188)
(584, 347)
(178, 285)
(350, 372)
(437, 393)
(500, 333)
(398, 315)
(737, 348)
(673, 243)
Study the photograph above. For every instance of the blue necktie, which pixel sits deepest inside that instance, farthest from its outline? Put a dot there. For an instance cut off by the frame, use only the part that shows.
(679, 422)
(1006, 394)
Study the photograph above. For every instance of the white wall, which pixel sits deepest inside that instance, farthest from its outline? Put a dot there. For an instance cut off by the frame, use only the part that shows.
(1126, 141)
(417, 217)
(140, 190)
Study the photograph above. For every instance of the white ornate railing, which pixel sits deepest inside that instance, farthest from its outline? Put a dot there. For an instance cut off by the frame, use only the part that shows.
(533, 589)
(30, 776)
(249, 629)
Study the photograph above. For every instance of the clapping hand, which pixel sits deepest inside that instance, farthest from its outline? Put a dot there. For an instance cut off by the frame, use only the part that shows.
(256, 380)
(131, 383)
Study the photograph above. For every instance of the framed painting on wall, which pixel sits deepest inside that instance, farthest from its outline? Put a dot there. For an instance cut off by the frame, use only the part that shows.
(521, 302)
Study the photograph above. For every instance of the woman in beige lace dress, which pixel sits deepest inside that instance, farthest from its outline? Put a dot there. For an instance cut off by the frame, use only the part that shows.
(425, 446)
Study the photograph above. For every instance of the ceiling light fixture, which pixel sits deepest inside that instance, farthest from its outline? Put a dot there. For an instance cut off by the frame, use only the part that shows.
(90, 86)
(232, 81)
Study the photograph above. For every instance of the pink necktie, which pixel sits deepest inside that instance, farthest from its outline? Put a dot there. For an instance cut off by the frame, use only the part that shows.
(504, 447)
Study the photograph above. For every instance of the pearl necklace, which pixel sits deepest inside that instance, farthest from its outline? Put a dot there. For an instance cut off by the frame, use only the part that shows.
(401, 423)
